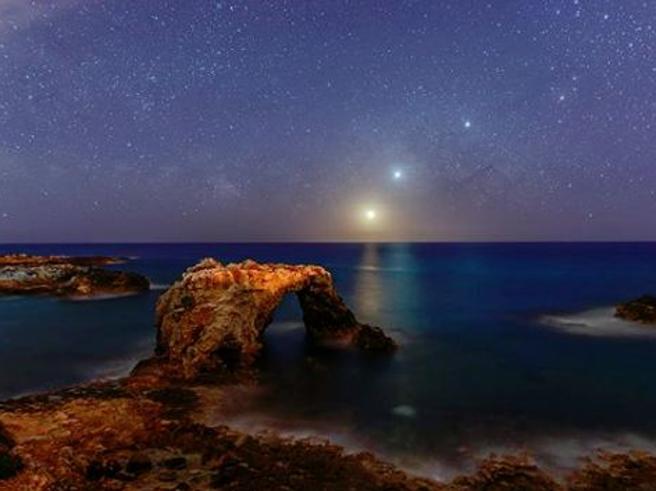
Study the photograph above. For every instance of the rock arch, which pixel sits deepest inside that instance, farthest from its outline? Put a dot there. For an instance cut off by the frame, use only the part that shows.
(215, 315)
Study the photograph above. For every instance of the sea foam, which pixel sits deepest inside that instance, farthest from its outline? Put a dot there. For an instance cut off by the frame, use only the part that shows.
(598, 322)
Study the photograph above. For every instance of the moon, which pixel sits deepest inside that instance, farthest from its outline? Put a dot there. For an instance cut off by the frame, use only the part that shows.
(370, 214)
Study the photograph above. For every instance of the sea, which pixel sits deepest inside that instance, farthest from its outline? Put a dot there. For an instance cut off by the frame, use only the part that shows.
(504, 347)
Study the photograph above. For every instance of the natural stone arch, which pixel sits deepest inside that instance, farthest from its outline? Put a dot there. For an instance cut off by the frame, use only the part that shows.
(216, 315)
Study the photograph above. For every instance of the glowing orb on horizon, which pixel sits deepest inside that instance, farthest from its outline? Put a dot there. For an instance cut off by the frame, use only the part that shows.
(397, 174)
(370, 214)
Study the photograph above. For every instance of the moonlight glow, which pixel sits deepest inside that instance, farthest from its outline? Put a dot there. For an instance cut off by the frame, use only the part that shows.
(397, 175)
(370, 215)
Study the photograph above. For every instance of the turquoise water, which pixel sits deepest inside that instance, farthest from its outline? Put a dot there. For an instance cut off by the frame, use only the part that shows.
(502, 345)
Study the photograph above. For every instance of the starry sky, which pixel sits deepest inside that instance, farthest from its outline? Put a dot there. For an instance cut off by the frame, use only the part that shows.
(190, 120)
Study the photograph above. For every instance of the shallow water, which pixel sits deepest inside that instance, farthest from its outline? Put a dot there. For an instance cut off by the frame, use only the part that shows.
(504, 346)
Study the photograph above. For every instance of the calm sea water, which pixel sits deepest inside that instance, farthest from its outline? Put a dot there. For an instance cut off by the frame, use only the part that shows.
(503, 345)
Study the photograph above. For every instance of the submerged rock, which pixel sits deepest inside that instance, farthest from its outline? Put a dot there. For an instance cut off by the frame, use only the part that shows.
(642, 310)
(63, 276)
(215, 315)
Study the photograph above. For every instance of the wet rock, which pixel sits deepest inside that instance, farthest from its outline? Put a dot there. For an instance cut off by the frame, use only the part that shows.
(611, 471)
(507, 473)
(175, 463)
(125, 476)
(223, 477)
(167, 476)
(214, 317)
(139, 464)
(374, 340)
(10, 465)
(641, 310)
(97, 470)
(6, 441)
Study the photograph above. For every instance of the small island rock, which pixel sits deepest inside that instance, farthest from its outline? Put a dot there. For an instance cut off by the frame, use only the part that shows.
(642, 310)
(63, 276)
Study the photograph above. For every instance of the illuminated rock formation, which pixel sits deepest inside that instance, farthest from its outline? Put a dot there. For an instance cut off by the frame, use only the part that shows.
(66, 276)
(215, 315)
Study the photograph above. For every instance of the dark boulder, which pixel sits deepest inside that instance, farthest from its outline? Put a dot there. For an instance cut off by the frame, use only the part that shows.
(641, 310)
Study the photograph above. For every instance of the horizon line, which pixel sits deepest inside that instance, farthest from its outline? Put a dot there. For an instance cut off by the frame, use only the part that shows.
(335, 242)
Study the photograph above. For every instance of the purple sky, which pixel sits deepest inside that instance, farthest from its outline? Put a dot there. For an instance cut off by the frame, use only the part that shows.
(287, 120)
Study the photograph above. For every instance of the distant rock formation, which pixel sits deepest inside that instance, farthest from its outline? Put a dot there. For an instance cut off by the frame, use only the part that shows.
(64, 276)
(215, 315)
(29, 260)
(642, 310)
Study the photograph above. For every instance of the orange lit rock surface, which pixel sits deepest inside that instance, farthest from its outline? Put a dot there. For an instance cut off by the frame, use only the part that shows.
(118, 436)
(215, 315)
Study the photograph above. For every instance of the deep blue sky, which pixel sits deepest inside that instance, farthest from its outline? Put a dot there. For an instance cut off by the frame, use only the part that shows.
(197, 120)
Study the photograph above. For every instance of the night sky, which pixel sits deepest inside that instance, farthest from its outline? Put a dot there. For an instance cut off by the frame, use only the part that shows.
(303, 120)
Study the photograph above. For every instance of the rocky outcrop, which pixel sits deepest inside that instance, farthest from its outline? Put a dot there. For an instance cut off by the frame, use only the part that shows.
(114, 436)
(29, 260)
(66, 276)
(641, 310)
(215, 315)
(119, 436)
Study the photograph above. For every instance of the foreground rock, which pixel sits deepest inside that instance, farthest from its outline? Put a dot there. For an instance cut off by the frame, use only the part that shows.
(64, 276)
(215, 315)
(124, 436)
(117, 436)
(641, 310)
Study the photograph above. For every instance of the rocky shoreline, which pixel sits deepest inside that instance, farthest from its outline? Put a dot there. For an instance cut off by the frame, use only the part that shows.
(66, 277)
(129, 435)
(156, 430)
(642, 310)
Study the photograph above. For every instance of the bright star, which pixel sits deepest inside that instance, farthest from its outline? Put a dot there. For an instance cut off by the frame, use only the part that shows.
(468, 124)
(397, 174)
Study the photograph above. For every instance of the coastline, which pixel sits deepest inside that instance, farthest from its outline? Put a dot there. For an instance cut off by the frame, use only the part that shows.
(129, 434)
(159, 429)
